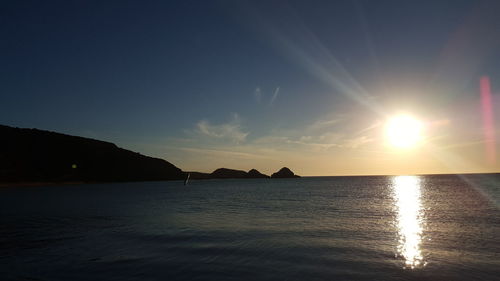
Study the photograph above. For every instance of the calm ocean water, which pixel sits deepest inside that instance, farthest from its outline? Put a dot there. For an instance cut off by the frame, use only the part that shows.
(325, 228)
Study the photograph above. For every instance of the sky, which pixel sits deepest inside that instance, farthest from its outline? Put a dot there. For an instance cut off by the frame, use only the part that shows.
(260, 84)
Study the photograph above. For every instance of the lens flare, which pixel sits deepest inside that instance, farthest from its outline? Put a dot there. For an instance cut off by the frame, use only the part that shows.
(488, 121)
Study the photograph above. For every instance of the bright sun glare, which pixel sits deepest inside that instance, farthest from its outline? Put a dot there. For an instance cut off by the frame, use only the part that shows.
(403, 131)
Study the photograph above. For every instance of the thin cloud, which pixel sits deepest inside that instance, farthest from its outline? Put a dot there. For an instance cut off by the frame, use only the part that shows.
(322, 124)
(356, 142)
(257, 94)
(223, 153)
(228, 131)
(319, 142)
(377, 124)
(275, 95)
(464, 144)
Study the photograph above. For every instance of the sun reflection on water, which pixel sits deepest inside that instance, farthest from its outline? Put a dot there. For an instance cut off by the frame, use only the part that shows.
(409, 220)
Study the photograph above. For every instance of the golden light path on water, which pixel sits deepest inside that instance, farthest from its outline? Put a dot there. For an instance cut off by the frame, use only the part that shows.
(409, 220)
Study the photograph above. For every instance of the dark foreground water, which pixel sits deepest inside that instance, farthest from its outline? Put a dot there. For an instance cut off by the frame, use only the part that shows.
(329, 228)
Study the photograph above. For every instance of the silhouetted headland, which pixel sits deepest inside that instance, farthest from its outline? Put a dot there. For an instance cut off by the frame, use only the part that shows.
(31, 155)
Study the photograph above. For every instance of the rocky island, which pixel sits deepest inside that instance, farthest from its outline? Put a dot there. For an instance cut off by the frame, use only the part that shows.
(284, 173)
(224, 173)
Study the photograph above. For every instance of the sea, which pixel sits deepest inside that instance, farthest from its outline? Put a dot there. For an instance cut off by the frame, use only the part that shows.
(436, 227)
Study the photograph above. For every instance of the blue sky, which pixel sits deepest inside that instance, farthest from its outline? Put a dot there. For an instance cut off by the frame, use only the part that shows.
(256, 84)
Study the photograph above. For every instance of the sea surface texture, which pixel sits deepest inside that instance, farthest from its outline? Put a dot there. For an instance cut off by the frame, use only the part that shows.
(324, 228)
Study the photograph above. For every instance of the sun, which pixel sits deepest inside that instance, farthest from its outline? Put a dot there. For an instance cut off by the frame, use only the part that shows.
(404, 131)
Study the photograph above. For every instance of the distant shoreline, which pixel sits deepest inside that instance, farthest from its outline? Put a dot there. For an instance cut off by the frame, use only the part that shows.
(35, 184)
(52, 183)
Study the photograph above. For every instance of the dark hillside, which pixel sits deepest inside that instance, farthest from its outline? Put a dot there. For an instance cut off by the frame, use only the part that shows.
(36, 155)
